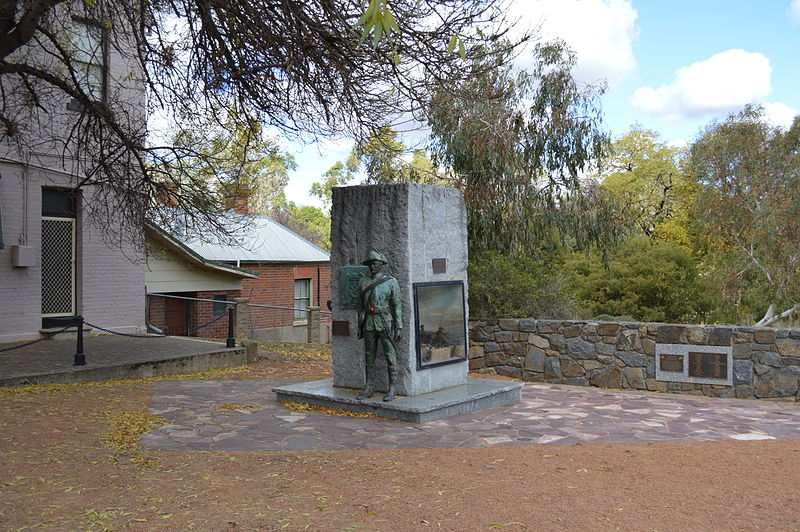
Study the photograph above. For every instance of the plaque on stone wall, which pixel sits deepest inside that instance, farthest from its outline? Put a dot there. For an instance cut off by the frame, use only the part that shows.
(441, 334)
(672, 363)
(349, 277)
(340, 328)
(708, 365)
(439, 266)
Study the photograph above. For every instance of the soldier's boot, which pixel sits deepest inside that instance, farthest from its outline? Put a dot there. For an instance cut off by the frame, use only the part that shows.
(369, 388)
(390, 395)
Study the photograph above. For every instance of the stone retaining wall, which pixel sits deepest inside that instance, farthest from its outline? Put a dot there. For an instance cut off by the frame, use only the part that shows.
(766, 361)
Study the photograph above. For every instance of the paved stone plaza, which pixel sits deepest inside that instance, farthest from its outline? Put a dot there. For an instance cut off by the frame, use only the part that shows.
(547, 414)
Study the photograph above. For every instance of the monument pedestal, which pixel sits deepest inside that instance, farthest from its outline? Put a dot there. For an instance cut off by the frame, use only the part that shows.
(422, 232)
(475, 394)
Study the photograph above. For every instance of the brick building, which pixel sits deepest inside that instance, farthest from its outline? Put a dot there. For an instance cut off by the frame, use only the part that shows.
(276, 268)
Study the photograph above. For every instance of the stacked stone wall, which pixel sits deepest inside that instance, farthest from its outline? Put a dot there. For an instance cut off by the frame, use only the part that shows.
(766, 361)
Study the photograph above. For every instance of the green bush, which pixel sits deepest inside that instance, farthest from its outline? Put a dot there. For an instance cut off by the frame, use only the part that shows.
(646, 280)
(502, 286)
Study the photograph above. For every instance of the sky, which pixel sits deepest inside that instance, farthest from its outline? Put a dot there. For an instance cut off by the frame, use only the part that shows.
(672, 66)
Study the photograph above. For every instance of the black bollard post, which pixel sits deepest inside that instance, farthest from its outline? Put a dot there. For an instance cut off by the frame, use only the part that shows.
(80, 357)
(231, 342)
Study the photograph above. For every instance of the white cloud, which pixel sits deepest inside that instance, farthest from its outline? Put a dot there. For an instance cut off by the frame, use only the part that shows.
(724, 82)
(779, 114)
(601, 32)
(793, 12)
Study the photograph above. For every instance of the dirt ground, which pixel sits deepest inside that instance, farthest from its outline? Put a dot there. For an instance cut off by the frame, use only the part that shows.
(67, 462)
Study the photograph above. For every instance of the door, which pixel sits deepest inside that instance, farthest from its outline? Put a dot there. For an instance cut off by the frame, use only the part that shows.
(58, 255)
(176, 316)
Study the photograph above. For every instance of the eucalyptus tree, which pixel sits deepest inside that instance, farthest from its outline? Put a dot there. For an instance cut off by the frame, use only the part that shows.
(307, 68)
(749, 208)
(519, 144)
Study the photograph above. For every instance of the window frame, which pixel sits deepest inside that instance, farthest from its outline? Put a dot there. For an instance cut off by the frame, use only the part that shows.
(81, 67)
(301, 316)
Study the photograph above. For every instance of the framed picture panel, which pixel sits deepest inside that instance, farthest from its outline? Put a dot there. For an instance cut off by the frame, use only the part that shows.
(441, 323)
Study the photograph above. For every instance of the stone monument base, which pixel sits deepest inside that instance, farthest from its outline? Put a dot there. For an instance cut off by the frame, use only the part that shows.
(475, 394)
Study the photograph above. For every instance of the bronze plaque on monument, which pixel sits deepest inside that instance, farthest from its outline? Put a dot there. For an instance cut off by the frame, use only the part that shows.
(439, 266)
(673, 363)
(708, 365)
(340, 328)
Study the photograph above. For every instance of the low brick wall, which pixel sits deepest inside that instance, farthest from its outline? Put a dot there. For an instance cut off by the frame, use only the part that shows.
(766, 361)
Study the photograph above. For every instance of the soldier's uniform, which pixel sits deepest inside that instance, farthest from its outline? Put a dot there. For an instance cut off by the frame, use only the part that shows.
(381, 316)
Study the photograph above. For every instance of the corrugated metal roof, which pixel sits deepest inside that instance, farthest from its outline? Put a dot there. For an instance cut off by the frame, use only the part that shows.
(258, 238)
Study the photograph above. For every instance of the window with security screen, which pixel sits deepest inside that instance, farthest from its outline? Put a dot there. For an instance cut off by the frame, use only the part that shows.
(302, 296)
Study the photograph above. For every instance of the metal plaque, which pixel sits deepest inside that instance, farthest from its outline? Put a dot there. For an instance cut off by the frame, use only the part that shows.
(340, 328)
(708, 365)
(672, 363)
(439, 266)
(349, 277)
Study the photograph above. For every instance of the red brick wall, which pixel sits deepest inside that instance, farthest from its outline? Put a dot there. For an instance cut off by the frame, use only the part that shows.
(275, 286)
(200, 312)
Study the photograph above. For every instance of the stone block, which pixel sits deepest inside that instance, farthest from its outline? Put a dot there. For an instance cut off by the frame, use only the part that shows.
(520, 337)
(503, 336)
(572, 331)
(607, 378)
(760, 369)
(538, 341)
(579, 348)
(607, 360)
(590, 329)
(547, 327)
(552, 368)
(634, 378)
(778, 383)
(507, 324)
(768, 358)
(788, 348)
(531, 376)
(632, 359)
(740, 337)
(496, 359)
(744, 391)
(648, 346)
(744, 350)
(724, 392)
(671, 334)
(570, 368)
(527, 325)
(655, 386)
(557, 341)
(591, 365)
(476, 351)
(791, 361)
(476, 363)
(742, 372)
(491, 347)
(606, 349)
(782, 333)
(508, 371)
(628, 340)
(608, 329)
(515, 361)
(478, 334)
(720, 336)
(517, 349)
(765, 336)
(794, 334)
(697, 335)
(650, 370)
(534, 359)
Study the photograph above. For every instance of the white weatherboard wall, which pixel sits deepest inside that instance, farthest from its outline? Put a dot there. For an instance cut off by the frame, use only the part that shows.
(411, 224)
(167, 272)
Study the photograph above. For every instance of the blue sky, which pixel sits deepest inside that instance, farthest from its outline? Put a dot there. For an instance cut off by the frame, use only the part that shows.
(671, 65)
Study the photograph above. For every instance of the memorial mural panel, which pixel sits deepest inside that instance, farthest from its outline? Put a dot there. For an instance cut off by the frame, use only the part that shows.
(441, 333)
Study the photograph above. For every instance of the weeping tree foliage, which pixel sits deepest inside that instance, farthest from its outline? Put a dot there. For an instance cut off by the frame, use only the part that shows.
(79, 78)
(518, 144)
(748, 212)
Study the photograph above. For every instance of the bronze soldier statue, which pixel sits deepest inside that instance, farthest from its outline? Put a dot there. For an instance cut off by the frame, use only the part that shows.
(381, 320)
